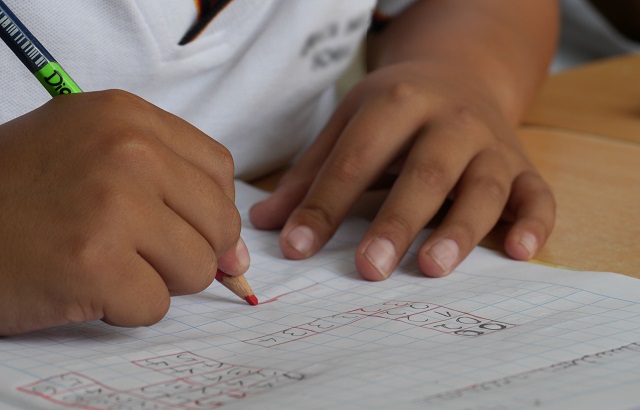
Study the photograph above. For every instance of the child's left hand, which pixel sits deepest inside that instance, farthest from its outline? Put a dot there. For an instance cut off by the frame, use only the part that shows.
(444, 134)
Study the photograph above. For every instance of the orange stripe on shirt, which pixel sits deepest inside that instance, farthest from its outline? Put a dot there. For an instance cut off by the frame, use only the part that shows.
(207, 11)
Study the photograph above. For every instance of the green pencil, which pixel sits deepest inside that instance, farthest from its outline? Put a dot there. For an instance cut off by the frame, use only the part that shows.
(33, 55)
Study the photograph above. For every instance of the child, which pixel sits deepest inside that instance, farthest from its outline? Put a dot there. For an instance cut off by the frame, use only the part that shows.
(111, 201)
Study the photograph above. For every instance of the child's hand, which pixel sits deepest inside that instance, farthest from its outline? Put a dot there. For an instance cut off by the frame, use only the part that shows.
(109, 205)
(445, 134)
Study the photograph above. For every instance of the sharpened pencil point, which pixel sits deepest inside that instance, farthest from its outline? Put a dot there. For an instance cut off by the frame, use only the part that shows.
(238, 285)
(252, 300)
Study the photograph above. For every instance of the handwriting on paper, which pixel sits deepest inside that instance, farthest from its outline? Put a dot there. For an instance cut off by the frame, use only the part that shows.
(430, 317)
(192, 382)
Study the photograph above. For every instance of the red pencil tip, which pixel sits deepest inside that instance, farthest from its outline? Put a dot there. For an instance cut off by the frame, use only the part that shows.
(252, 300)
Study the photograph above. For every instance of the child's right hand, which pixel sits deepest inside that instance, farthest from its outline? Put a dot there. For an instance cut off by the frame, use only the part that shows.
(109, 205)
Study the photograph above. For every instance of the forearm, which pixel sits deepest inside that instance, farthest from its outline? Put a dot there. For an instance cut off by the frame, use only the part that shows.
(503, 45)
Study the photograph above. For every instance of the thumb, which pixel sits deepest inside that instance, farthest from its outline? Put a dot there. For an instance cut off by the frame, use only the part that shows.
(236, 260)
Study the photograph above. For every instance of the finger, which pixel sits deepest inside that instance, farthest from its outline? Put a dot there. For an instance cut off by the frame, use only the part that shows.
(236, 260)
(431, 170)
(167, 226)
(273, 212)
(481, 196)
(534, 208)
(192, 195)
(177, 252)
(140, 300)
(365, 147)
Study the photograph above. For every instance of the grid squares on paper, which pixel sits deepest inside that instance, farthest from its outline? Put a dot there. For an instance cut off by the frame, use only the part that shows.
(192, 382)
(594, 380)
(543, 323)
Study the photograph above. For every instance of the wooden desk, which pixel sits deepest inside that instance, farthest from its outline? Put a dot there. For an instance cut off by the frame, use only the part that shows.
(595, 171)
(601, 98)
(597, 187)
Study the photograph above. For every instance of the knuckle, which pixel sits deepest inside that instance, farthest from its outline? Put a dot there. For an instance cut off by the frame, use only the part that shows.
(319, 215)
(547, 195)
(234, 224)
(346, 168)
(224, 159)
(129, 146)
(463, 115)
(77, 311)
(538, 188)
(492, 187)
(118, 132)
(228, 230)
(115, 106)
(544, 190)
(433, 176)
(466, 118)
(399, 224)
(403, 93)
(119, 100)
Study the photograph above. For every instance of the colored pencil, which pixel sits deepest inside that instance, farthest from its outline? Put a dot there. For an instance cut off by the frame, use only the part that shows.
(33, 55)
(238, 285)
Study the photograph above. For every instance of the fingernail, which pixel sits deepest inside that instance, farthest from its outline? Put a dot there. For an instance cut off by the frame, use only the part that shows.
(301, 238)
(242, 253)
(382, 254)
(529, 242)
(445, 254)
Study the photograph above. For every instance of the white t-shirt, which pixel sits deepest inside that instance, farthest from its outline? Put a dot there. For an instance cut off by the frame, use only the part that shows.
(586, 36)
(259, 79)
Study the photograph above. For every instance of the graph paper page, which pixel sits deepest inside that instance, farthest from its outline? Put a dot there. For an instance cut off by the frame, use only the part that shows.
(495, 334)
